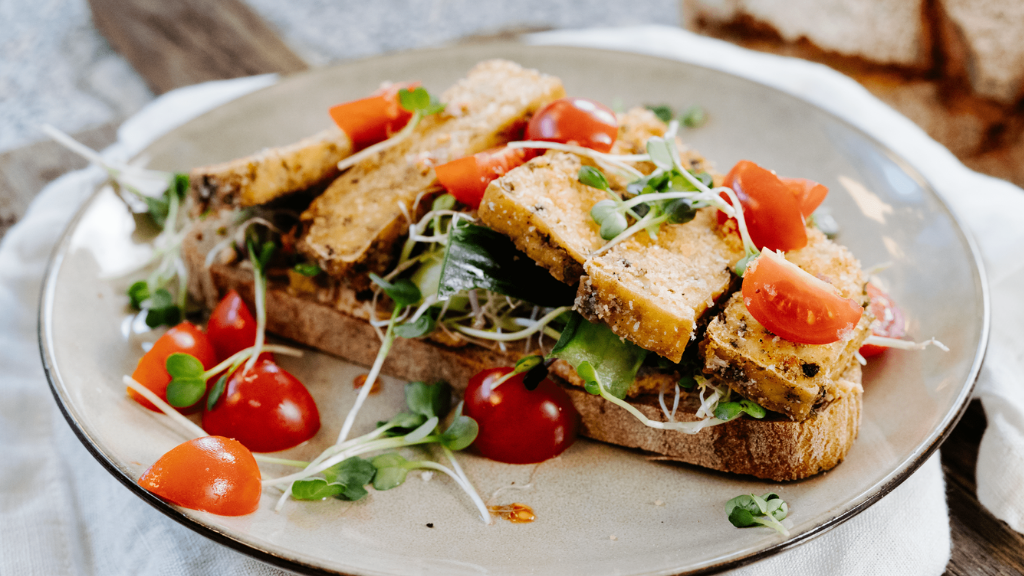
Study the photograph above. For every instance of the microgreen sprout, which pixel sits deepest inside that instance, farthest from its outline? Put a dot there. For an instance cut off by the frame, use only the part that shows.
(417, 101)
(751, 510)
(731, 410)
(329, 476)
(694, 117)
(664, 112)
(162, 194)
(188, 378)
(525, 364)
(307, 269)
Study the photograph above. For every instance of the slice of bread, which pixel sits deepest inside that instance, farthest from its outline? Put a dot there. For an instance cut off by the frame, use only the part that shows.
(775, 449)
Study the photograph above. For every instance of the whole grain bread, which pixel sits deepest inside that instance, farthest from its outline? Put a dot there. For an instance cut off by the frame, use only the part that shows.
(775, 449)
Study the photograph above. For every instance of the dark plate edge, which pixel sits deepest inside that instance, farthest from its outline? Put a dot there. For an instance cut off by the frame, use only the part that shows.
(900, 475)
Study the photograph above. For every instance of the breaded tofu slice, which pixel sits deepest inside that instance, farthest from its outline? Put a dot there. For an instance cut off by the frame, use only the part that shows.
(780, 375)
(544, 208)
(653, 292)
(272, 173)
(356, 223)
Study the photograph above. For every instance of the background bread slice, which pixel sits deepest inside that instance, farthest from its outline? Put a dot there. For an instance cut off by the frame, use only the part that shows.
(776, 450)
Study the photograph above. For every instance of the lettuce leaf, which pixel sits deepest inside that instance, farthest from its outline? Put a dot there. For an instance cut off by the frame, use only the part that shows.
(599, 356)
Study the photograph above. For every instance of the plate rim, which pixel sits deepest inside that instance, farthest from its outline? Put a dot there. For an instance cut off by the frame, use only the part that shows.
(896, 477)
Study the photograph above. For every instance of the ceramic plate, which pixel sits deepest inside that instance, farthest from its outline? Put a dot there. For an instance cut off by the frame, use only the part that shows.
(600, 509)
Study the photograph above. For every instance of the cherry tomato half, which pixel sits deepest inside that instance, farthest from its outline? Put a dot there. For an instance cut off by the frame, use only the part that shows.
(152, 372)
(211, 474)
(467, 178)
(770, 209)
(231, 327)
(795, 305)
(575, 120)
(520, 426)
(267, 409)
(374, 118)
(809, 194)
(889, 320)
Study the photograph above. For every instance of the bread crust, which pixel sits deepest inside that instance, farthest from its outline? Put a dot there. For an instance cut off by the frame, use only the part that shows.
(776, 449)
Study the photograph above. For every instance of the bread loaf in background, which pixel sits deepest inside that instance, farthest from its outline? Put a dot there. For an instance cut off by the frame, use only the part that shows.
(955, 67)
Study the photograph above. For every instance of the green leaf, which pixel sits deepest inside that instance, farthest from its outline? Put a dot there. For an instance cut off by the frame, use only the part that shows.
(161, 309)
(181, 365)
(662, 111)
(478, 257)
(315, 489)
(344, 480)
(460, 434)
(660, 152)
(403, 423)
(590, 176)
(307, 269)
(613, 225)
(423, 325)
(403, 292)
(216, 392)
(687, 382)
(183, 392)
(428, 400)
(751, 510)
(180, 185)
(603, 209)
(137, 293)
(158, 209)
(419, 100)
(694, 117)
(598, 355)
(392, 469)
(730, 410)
(443, 202)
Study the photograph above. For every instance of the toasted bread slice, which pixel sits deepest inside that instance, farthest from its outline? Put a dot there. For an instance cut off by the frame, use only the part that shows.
(270, 174)
(778, 374)
(355, 224)
(776, 449)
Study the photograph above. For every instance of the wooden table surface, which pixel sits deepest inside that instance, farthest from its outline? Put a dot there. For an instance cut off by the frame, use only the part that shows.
(226, 40)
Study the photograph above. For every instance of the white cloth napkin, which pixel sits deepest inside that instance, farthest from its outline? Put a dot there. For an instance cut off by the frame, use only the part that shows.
(62, 513)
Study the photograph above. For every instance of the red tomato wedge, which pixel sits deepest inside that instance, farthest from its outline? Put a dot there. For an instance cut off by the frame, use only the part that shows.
(520, 426)
(889, 320)
(581, 121)
(267, 409)
(152, 372)
(374, 118)
(809, 194)
(210, 474)
(467, 178)
(773, 215)
(795, 305)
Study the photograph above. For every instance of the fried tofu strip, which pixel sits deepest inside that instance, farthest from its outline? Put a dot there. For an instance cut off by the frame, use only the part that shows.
(355, 225)
(780, 375)
(272, 173)
(654, 291)
(545, 210)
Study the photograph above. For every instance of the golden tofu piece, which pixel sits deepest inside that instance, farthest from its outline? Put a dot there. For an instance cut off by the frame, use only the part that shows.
(654, 291)
(544, 209)
(356, 223)
(780, 375)
(272, 173)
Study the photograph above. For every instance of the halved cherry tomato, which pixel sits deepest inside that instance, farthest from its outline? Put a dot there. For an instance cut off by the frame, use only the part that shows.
(520, 426)
(794, 304)
(374, 118)
(267, 409)
(889, 320)
(210, 474)
(232, 328)
(773, 215)
(809, 194)
(468, 177)
(152, 372)
(575, 120)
